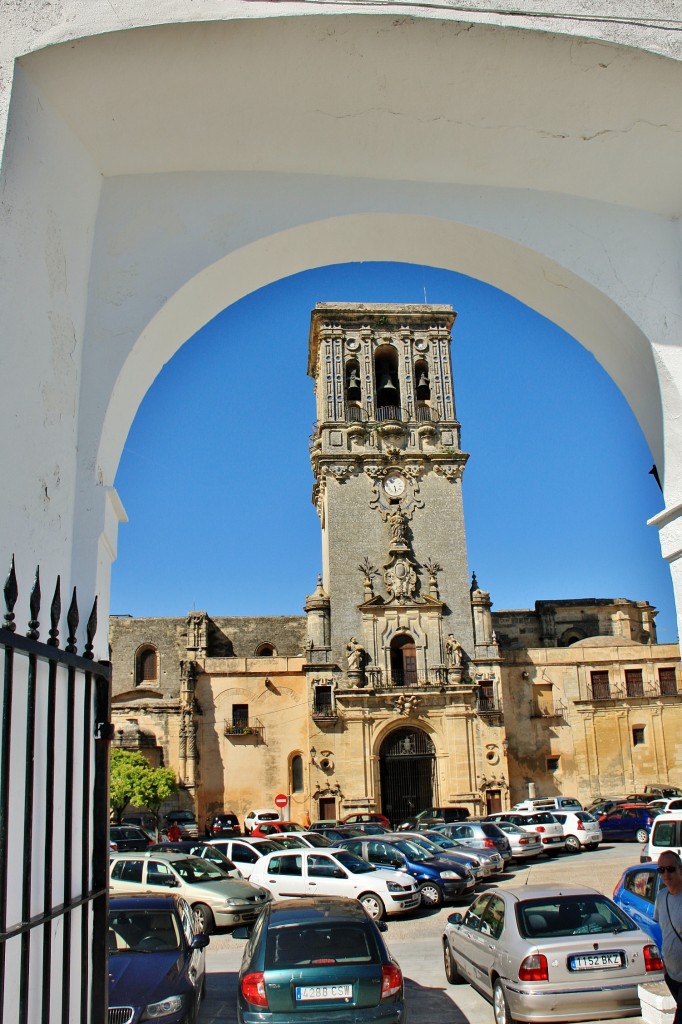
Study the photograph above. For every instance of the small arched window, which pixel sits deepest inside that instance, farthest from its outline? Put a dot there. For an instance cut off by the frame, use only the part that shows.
(297, 774)
(147, 666)
(387, 382)
(265, 651)
(422, 381)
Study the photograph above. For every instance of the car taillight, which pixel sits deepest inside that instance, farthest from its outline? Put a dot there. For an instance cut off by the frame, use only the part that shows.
(488, 842)
(652, 959)
(540, 828)
(253, 989)
(391, 980)
(580, 827)
(523, 841)
(534, 968)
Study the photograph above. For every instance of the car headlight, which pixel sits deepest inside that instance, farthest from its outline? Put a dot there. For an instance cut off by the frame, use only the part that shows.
(394, 887)
(451, 874)
(172, 1004)
(235, 903)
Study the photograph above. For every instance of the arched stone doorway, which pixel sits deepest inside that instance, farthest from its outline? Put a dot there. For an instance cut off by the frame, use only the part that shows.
(403, 660)
(407, 771)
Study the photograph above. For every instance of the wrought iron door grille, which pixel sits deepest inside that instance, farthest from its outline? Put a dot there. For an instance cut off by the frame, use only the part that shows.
(54, 768)
(408, 774)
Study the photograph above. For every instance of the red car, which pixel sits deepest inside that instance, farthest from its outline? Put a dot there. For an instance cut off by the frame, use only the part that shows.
(271, 828)
(366, 816)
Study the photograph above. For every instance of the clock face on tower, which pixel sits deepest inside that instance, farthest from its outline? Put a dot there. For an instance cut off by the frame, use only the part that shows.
(394, 485)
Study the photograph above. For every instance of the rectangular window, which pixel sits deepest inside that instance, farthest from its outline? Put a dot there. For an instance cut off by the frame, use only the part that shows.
(667, 679)
(552, 764)
(600, 685)
(240, 715)
(637, 735)
(322, 700)
(634, 684)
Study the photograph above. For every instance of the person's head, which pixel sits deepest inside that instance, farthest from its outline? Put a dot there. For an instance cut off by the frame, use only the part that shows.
(670, 870)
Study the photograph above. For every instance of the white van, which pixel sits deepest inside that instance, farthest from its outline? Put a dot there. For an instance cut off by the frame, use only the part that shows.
(666, 834)
(550, 803)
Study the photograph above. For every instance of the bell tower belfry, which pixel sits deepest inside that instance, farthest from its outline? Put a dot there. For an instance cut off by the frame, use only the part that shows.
(388, 469)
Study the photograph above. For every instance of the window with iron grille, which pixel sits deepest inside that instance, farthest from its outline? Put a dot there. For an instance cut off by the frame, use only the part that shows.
(634, 684)
(322, 700)
(240, 716)
(147, 668)
(637, 735)
(601, 689)
(667, 680)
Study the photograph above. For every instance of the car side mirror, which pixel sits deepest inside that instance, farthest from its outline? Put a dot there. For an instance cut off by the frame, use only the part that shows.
(452, 919)
(396, 863)
(382, 926)
(200, 942)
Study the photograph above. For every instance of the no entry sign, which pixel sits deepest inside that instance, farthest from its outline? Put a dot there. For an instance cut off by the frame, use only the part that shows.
(281, 800)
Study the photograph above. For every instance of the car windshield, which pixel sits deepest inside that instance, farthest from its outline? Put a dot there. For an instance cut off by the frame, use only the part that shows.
(320, 945)
(316, 840)
(412, 851)
(443, 842)
(267, 846)
(492, 831)
(541, 818)
(196, 870)
(511, 829)
(289, 842)
(556, 916)
(356, 865)
(181, 816)
(431, 848)
(143, 931)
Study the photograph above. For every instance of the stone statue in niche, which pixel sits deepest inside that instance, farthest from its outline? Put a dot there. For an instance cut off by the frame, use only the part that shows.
(453, 652)
(354, 655)
(397, 522)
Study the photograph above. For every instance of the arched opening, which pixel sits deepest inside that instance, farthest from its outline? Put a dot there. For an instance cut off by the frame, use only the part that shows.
(403, 660)
(147, 666)
(407, 770)
(387, 383)
(297, 774)
(265, 650)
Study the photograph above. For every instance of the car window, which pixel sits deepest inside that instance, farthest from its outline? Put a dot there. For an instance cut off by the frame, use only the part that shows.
(473, 916)
(583, 816)
(244, 854)
(462, 832)
(383, 853)
(294, 946)
(356, 865)
(570, 915)
(187, 918)
(159, 873)
(127, 871)
(321, 866)
(289, 864)
(196, 871)
(143, 931)
(561, 818)
(665, 834)
(642, 884)
(492, 922)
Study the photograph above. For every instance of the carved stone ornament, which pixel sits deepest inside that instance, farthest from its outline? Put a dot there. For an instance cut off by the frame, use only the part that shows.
(406, 704)
(401, 580)
(414, 470)
(449, 472)
(338, 470)
(374, 470)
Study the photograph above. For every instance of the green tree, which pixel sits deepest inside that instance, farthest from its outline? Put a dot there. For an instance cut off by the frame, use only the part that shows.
(134, 781)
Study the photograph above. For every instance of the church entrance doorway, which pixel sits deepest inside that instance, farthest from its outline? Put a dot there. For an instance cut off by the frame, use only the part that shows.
(403, 661)
(493, 801)
(407, 767)
(327, 808)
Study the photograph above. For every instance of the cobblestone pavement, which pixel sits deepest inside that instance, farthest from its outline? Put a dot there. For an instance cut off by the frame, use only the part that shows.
(416, 943)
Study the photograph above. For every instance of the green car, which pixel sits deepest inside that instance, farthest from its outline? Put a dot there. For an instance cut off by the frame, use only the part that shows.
(319, 958)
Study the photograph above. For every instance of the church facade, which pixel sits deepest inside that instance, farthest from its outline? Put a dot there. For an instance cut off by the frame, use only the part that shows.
(399, 688)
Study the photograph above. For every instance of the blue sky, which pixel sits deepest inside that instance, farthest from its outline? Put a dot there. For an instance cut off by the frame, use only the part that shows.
(216, 480)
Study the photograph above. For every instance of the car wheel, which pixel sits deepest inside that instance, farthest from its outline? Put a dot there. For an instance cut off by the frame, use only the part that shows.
(642, 836)
(203, 918)
(572, 844)
(451, 970)
(431, 895)
(373, 905)
(501, 1010)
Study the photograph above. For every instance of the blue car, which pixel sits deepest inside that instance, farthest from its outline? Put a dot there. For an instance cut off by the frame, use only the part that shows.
(630, 823)
(156, 962)
(636, 895)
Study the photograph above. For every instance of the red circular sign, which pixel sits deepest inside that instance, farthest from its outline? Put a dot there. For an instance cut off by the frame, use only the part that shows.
(281, 800)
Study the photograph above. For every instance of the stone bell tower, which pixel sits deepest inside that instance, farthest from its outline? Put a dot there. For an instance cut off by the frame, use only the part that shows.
(385, 451)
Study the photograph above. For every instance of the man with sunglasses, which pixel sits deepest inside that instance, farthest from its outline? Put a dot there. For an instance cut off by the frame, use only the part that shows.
(668, 913)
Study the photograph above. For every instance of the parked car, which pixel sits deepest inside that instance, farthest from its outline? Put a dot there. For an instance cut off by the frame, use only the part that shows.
(337, 832)
(186, 822)
(127, 837)
(543, 822)
(524, 844)
(550, 803)
(254, 818)
(313, 839)
(156, 961)
(636, 894)
(321, 958)
(580, 829)
(222, 823)
(198, 848)
(439, 878)
(337, 873)
(480, 835)
(489, 862)
(145, 820)
(366, 817)
(666, 834)
(245, 852)
(666, 804)
(215, 898)
(544, 954)
(603, 806)
(657, 789)
(433, 815)
(628, 823)
(368, 828)
(271, 828)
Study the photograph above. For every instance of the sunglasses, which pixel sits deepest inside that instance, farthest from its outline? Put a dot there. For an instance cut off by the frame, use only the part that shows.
(668, 870)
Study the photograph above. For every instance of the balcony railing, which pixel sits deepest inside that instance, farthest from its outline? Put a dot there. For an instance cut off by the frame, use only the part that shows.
(389, 412)
(487, 706)
(242, 730)
(377, 680)
(324, 713)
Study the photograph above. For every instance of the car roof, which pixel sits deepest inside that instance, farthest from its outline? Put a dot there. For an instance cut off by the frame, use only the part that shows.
(309, 910)
(133, 902)
(148, 854)
(522, 893)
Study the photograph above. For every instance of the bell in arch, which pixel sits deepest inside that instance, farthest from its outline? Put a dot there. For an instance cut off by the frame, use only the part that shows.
(386, 384)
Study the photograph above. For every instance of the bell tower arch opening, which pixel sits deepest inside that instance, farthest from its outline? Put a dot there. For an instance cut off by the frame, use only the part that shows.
(407, 770)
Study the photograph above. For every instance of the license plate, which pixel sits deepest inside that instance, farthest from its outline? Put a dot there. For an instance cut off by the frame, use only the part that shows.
(595, 961)
(306, 992)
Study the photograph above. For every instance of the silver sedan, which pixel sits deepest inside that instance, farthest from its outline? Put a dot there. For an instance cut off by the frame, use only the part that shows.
(523, 843)
(541, 954)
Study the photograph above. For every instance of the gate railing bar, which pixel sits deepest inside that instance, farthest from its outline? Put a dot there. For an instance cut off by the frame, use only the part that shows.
(68, 842)
(49, 816)
(59, 910)
(11, 593)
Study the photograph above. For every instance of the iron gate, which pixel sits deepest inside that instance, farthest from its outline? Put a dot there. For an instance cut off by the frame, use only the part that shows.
(407, 764)
(54, 819)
